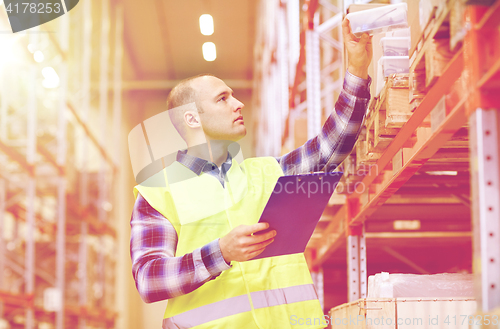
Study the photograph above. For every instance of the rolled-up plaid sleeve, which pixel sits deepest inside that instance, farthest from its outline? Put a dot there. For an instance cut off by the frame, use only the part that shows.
(158, 274)
(338, 135)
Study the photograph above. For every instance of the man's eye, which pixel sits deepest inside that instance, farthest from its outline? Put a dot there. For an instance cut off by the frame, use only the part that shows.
(222, 99)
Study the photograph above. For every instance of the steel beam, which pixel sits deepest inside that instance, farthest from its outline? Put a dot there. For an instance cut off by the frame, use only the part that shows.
(83, 197)
(485, 183)
(61, 180)
(31, 189)
(117, 81)
(353, 270)
(330, 24)
(282, 79)
(313, 83)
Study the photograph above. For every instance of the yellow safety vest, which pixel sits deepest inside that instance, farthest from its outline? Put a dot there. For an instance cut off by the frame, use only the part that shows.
(275, 292)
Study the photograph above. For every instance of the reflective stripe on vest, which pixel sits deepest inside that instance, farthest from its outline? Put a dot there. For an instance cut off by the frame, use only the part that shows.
(240, 304)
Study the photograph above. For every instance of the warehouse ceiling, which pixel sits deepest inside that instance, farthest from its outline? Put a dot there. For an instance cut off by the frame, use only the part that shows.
(163, 39)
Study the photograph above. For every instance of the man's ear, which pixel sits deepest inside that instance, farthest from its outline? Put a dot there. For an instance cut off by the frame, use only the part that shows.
(192, 119)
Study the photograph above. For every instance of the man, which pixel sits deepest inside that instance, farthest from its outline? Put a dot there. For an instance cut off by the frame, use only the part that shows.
(193, 238)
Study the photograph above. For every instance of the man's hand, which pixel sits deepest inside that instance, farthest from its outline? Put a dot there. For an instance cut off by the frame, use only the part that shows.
(359, 51)
(242, 244)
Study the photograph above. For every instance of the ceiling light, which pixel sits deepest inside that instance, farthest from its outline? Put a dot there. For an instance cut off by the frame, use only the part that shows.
(38, 55)
(31, 47)
(51, 78)
(209, 51)
(206, 24)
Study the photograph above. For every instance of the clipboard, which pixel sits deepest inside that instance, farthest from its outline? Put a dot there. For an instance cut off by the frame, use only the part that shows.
(294, 209)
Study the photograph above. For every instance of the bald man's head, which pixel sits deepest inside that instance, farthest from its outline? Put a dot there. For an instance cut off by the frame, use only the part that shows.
(182, 94)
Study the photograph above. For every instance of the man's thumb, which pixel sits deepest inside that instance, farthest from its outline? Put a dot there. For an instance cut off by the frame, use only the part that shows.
(364, 38)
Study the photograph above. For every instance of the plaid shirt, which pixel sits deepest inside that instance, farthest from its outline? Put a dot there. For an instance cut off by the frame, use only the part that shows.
(159, 275)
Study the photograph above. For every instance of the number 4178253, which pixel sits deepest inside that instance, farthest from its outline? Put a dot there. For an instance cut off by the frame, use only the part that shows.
(34, 8)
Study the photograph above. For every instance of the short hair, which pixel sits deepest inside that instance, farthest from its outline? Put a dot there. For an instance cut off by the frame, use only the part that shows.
(182, 94)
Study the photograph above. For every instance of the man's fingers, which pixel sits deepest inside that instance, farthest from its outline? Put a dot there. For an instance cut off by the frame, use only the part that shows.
(261, 245)
(259, 248)
(258, 238)
(346, 30)
(255, 253)
(250, 229)
(267, 242)
(345, 26)
(258, 227)
(365, 38)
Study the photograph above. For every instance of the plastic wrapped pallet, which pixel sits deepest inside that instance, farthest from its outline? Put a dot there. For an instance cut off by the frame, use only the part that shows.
(385, 285)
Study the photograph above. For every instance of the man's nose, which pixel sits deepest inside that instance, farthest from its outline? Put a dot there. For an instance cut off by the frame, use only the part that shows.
(238, 105)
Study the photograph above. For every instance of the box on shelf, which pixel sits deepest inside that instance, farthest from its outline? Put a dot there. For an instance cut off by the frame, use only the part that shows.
(437, 56)
(390, 111)
(394, 65)
(395, 46)
(379, 20)
(385, 285)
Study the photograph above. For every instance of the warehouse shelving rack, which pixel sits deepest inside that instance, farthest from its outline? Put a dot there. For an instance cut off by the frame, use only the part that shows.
(51, 224)
(477, 63)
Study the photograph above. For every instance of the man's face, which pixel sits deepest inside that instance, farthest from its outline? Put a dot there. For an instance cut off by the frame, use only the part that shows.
(220, 112)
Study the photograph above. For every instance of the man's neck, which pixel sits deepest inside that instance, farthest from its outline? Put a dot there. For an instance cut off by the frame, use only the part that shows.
(214, 151)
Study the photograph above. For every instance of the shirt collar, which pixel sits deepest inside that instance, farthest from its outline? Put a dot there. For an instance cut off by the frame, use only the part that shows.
(198, 165)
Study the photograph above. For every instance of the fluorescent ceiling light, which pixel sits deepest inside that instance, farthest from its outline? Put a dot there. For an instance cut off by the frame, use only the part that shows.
(38, 55)
(206, 24)
(51, 78)
(209, 51)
